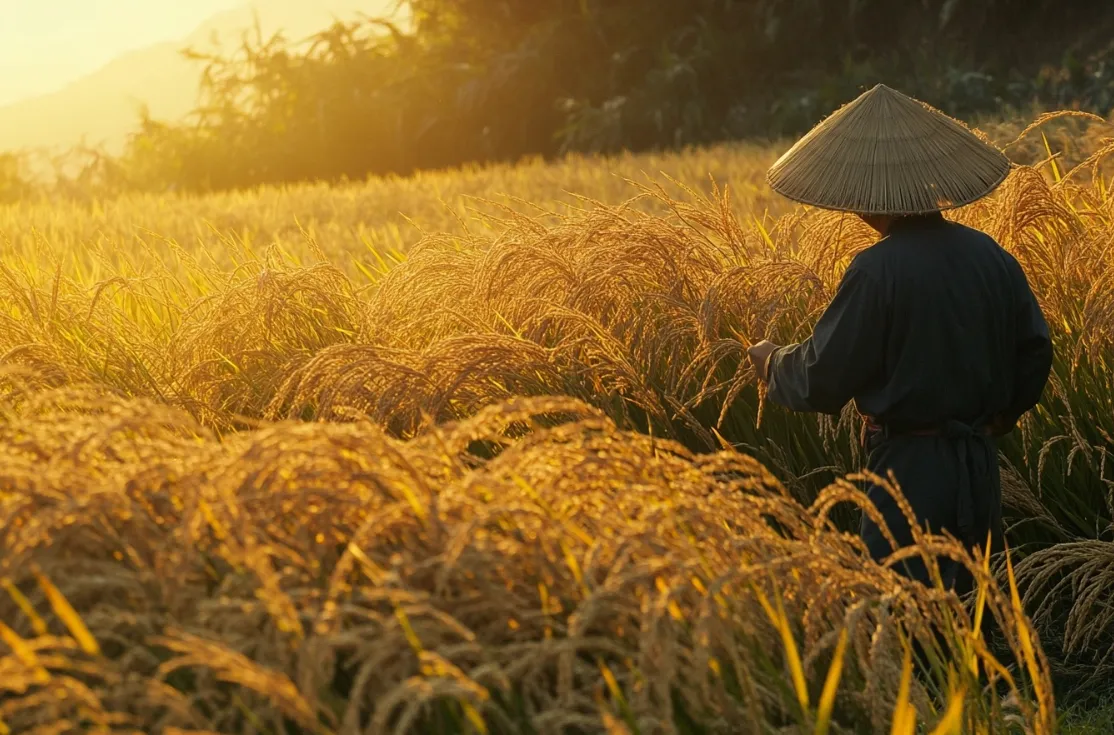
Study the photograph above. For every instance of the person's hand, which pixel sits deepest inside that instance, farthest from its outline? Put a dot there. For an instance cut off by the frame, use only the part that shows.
(760, 356)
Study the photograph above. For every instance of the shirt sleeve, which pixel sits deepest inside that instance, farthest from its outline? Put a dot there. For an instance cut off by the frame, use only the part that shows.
(845, 352)
(1033, 359)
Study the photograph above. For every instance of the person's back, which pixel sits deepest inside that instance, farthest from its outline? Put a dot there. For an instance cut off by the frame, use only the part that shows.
(936, 335)
(962, 329)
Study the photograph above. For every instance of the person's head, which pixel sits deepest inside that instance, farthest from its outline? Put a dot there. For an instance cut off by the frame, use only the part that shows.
(879, 222)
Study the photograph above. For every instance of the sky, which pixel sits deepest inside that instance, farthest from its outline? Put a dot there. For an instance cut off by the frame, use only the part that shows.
(44, 44)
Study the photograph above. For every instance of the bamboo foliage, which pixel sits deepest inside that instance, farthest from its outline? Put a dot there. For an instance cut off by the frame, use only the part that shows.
(455, 83)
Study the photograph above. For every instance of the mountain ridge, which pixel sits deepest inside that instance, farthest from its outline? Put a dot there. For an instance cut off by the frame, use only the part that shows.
(102, 107)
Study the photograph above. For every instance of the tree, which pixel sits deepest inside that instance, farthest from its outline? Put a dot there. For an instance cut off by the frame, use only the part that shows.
(495, 80)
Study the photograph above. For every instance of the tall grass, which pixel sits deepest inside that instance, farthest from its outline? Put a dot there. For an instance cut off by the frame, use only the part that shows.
(511, 477)
(323, 577)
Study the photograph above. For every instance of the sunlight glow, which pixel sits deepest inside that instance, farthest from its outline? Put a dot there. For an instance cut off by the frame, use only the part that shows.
(44, 44)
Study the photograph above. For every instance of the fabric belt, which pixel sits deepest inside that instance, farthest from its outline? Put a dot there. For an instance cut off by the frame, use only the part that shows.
(962, 435)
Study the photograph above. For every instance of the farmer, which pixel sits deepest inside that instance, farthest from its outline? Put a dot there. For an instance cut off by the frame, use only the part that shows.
(933, 331)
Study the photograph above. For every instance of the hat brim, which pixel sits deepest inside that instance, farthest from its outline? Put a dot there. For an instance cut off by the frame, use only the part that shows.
(943, 206)
(888, 154)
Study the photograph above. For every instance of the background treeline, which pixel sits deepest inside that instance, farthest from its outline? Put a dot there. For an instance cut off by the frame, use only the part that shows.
(495, 80)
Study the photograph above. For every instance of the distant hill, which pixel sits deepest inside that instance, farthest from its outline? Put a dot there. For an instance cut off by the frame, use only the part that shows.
(103, 107)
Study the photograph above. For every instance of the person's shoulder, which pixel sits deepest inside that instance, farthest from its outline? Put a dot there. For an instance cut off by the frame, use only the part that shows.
(972, 233)
(994, 251)
(892, 251)
(869, 261)
(875, 256)
(969, 236)
(867, 267)
(979, 238)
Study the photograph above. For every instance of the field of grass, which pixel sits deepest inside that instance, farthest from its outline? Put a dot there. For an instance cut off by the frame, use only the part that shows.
(479, 452)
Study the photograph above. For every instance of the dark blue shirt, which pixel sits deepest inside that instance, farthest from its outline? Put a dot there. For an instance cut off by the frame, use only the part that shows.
(935, 322)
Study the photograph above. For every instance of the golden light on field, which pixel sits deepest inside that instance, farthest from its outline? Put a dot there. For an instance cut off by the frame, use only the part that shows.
(288, 456)
(381, 367)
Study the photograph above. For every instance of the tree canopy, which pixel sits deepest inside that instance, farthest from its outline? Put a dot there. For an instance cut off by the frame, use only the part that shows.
(494, 80)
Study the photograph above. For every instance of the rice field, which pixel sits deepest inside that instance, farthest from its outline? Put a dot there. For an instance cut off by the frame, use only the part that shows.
(479, 452)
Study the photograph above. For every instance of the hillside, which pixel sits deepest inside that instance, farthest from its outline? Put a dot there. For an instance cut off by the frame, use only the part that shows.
(103, 106)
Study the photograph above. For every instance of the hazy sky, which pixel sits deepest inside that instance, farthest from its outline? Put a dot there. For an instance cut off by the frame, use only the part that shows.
(46, 43)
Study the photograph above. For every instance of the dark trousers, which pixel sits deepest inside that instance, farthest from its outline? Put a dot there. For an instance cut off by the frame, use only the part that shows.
(932, 471)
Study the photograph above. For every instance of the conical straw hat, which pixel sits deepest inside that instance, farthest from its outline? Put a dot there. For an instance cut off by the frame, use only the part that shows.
(886, 153)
